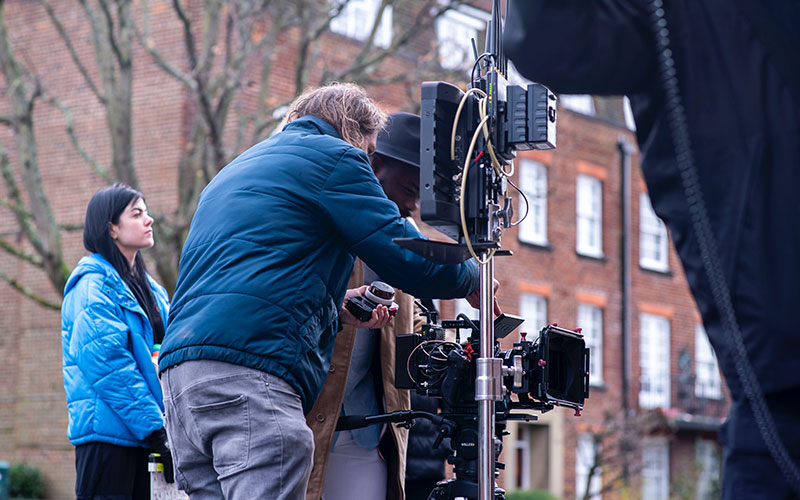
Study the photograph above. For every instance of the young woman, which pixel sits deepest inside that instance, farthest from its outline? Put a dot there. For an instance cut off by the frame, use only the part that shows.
(112, 315)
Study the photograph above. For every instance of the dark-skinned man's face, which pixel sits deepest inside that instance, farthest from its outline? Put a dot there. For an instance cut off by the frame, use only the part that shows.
(400, 182)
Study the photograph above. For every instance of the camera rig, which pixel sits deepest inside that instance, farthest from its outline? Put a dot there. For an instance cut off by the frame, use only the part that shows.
(468, 141)
(550, 371)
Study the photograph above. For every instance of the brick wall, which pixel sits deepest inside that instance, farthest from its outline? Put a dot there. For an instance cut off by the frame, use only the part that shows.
(33, 416)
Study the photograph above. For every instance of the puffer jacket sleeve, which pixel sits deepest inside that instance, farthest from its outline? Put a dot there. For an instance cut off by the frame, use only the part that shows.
(366, 219)
(100, 347)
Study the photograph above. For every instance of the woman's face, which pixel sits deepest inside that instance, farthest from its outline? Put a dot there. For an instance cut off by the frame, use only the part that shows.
(134, 230)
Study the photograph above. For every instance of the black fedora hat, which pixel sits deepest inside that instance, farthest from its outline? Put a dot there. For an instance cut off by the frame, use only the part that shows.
(399, 139)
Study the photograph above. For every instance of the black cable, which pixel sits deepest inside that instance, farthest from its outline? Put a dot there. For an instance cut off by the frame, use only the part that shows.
(676, 115)
(527, 203)
(478, 60)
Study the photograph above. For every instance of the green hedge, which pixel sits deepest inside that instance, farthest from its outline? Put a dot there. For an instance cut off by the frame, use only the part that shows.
(530, 495)
(25, 481)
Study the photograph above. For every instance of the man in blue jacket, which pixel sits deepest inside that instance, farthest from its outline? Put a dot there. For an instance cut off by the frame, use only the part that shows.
(717, 82)
(260, 291)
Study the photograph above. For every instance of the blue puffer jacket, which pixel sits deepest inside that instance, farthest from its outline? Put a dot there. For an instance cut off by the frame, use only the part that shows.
(270, 250)
(113, 393)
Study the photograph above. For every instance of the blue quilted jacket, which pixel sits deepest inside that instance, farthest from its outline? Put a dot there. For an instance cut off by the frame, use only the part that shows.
(113, 393)
(270, 250)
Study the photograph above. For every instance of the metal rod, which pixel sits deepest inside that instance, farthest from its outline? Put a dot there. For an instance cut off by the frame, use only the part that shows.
(485, 381)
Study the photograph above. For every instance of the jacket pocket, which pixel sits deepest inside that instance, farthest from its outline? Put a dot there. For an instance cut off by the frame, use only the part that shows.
(225, 426)
(320, 321)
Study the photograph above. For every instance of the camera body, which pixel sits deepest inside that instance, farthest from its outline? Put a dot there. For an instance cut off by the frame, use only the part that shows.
(378, 293)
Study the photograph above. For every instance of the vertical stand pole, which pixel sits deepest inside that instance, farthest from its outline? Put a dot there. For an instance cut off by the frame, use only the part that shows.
(488, 382)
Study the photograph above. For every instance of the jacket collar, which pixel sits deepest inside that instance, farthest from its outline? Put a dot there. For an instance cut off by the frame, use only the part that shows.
(115, 286)
(313, 123)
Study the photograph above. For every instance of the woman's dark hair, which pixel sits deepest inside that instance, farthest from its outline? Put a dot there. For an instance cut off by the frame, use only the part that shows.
(105, 208)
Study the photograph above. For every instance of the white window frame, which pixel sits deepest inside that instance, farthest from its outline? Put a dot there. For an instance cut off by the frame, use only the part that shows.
(523, 445)
(579, 103)
(708, 383)
(584, 458)
(655, 469)
(357, 19)
(455, 30)
(654, 361)
(708, 467)
(627, 112)
(589, 216)
(533, 182)
(590, 320)
(653, 239)
(533, 307)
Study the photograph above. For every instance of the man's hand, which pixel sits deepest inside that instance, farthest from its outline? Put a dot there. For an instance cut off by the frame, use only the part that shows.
(474, 299)
(380, 315)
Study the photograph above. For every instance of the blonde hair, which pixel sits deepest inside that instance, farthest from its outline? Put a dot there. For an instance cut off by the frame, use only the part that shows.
(346, 106)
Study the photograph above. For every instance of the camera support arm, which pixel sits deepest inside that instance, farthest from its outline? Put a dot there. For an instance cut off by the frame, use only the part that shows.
(348, 422)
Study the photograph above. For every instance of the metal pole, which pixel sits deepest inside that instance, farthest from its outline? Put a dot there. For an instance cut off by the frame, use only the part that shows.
(487, 382)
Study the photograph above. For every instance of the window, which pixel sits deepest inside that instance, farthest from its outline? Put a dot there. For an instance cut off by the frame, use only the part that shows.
(455, 30)
(655, 469)
(589, 203)
(654, 362)
(653, 253)
(628, 113)
(585, 458)
(522, 450)
(357, 19)
(530, 472)
(708, 383)
(708, 470)
(590, 320)
(533, 308)
(533, 182)
(583, 104)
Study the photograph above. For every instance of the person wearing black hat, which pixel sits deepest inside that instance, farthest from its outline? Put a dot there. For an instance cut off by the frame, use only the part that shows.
(360, 381)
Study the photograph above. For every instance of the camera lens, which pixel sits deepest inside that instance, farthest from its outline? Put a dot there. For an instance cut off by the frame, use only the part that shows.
(381, 291)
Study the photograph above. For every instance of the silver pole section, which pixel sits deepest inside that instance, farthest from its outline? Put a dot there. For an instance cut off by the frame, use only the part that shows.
(487, 380)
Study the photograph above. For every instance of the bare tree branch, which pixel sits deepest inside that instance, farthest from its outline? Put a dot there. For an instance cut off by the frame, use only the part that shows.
(40, 227)
(16, 205)
(145, 37)
(16, 285)
(423, 20)
(70, 129)
(71, 49)
(16, 252)
(188, 36)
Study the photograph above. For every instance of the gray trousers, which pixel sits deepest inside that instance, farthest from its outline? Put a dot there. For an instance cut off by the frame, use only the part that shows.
(236, 433)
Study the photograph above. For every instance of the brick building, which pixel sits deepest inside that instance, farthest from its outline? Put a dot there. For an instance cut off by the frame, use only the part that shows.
(568, 265)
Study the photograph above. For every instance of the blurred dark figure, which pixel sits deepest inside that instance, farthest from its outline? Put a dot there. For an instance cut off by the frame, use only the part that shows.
(734, 66)
(424, 465)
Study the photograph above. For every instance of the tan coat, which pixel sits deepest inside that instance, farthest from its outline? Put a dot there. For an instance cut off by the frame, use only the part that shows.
(323, 416)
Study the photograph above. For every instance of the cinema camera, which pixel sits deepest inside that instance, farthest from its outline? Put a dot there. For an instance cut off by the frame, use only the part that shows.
(468, 141)
(552, 370)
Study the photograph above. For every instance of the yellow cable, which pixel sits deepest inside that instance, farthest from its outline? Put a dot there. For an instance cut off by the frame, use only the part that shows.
(473, 90)
(463, 190)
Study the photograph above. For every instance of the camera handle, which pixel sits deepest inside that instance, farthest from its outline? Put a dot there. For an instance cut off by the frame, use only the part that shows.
(349, 422)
